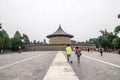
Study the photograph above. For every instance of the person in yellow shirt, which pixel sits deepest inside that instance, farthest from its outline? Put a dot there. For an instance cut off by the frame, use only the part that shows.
(68, 52)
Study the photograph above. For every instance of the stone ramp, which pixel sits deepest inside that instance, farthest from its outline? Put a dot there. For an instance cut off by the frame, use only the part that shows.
(60, 69)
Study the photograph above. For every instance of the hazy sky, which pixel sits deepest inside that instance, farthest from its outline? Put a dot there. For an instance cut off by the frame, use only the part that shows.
(39, 18)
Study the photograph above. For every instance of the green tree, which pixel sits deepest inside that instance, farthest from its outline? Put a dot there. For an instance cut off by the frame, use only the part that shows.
(116, 42)
(34, 42)
(105, 40)
(5, 42)
(1, 40)
(109, 38)
(118, 15)
(17, 41)
(117, 29)
(73, 41)
(94, 41)
(17, 35)
(25, 39)
(38, 42)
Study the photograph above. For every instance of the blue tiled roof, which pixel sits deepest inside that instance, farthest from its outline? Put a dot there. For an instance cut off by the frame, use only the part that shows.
(59, 32)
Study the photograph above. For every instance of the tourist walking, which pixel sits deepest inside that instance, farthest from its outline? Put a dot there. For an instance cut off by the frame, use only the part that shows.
(69, 52)
(101, 51)
(19, 49)
(88, 49)
(78, 53)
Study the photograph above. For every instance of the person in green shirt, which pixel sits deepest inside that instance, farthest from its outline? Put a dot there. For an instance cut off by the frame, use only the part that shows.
(68, 52)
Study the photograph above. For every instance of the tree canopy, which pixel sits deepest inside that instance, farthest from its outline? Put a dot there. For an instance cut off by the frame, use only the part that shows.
(7, 43)
(117, 29)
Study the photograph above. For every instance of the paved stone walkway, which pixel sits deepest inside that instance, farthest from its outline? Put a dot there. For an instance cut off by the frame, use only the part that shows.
(60, 69)
(53, 65)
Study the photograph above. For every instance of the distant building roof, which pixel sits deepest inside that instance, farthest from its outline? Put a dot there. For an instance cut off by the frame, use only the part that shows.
(59, 32)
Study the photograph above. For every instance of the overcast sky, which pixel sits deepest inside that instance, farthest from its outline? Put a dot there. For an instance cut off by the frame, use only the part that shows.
(39, 18)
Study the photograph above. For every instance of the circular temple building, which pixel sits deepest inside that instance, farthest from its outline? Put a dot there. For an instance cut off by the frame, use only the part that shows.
(58, 41)
(60, 37)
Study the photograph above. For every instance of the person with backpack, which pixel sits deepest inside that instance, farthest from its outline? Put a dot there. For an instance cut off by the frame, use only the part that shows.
(69, 52)
(78, 53)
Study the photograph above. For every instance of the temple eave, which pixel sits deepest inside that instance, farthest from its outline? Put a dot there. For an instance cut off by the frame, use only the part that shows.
(70, 36)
